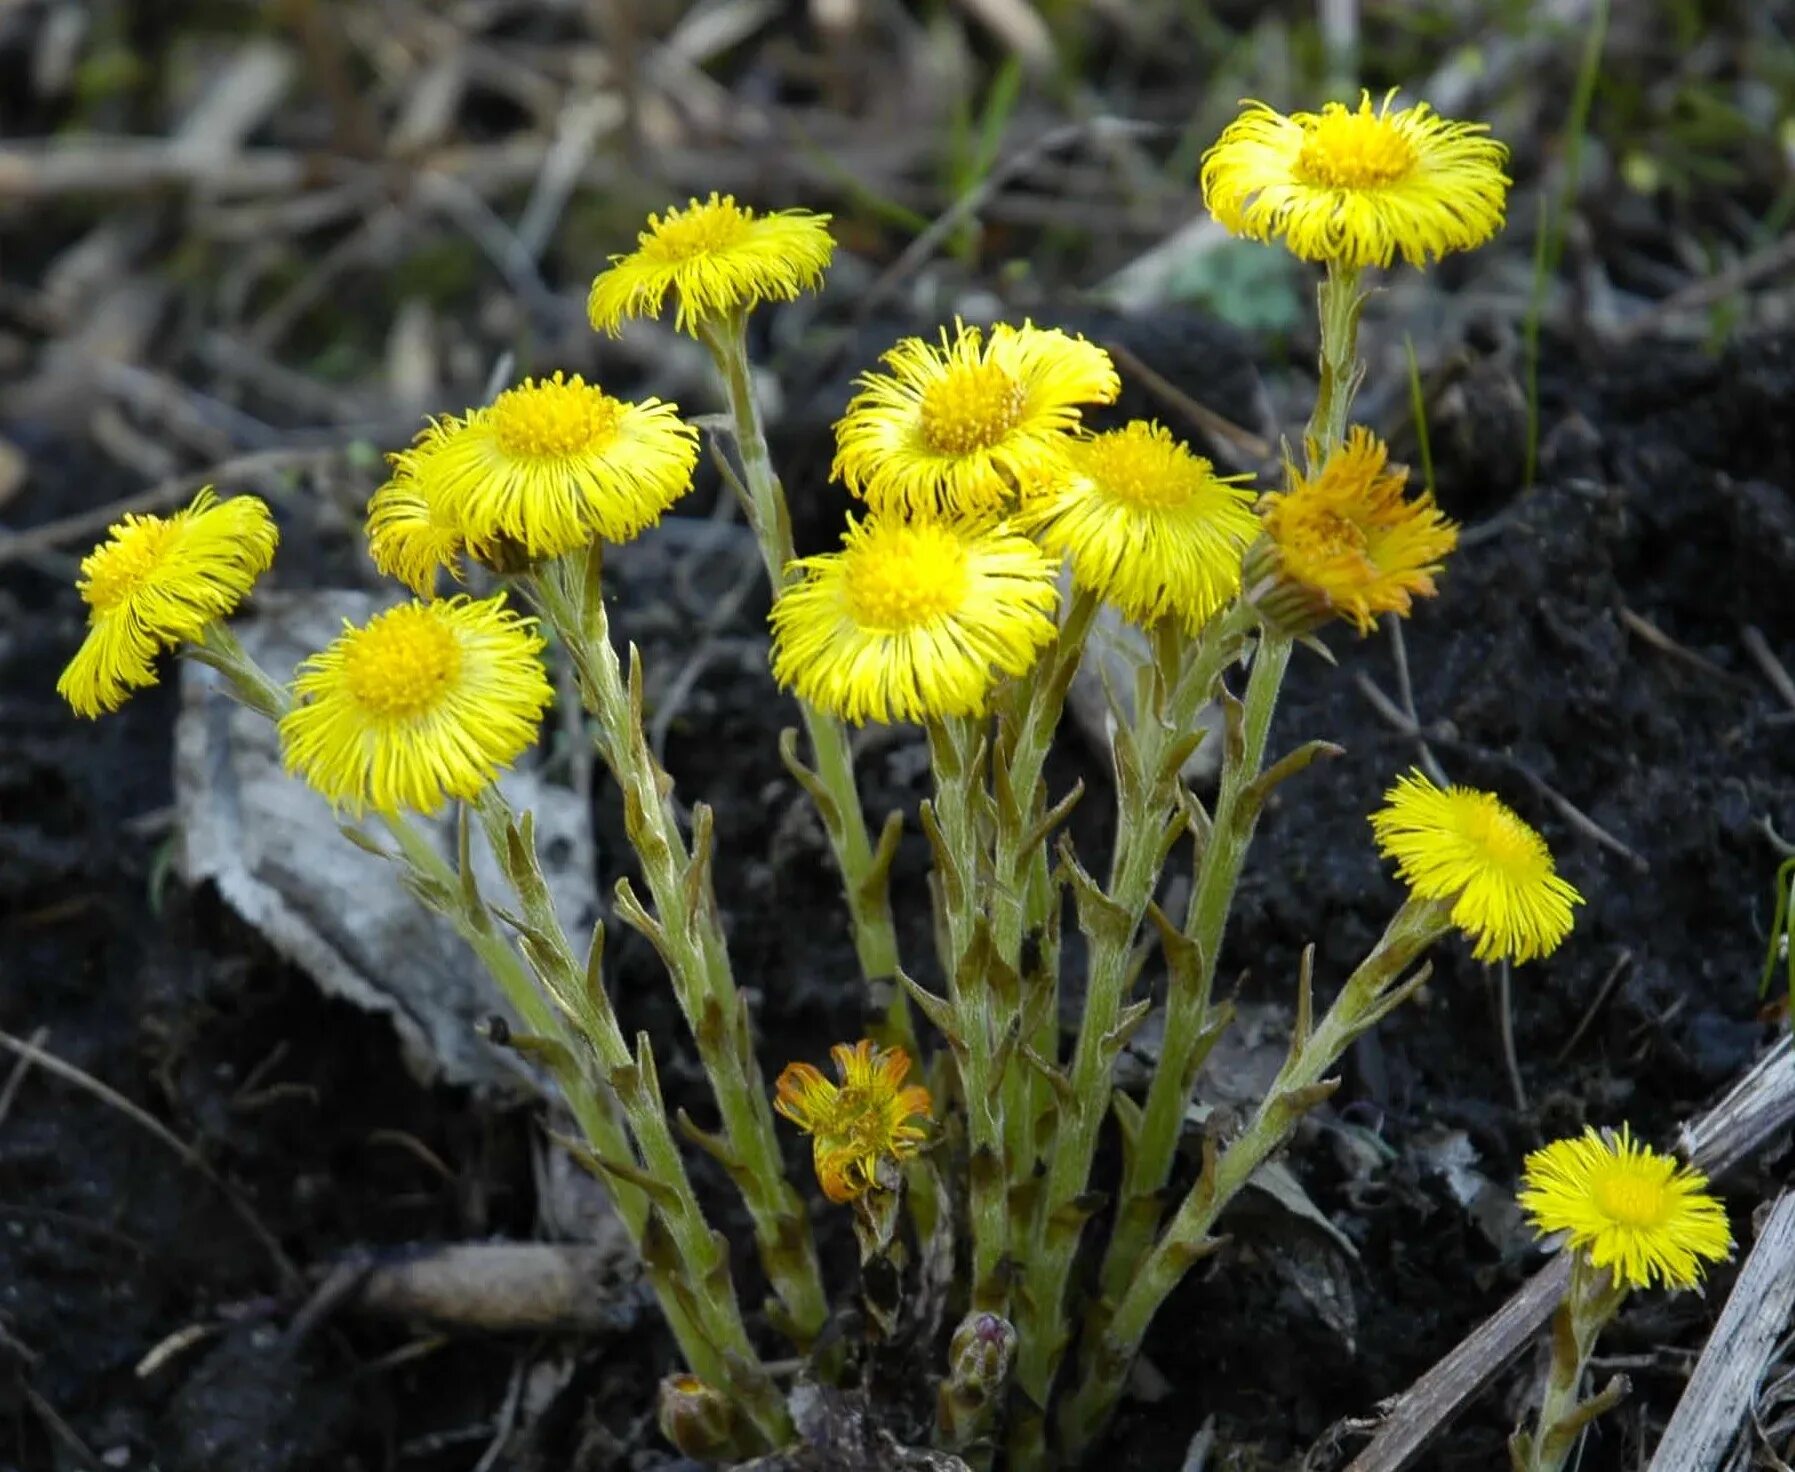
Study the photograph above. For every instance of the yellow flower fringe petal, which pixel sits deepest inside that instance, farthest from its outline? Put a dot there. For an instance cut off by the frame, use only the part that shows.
(423, 703)
(957, 429)
(1357, 186)
(554, 464)
(1350, 537)
(913, 621)
(411, 537)
(1643, 1216)
(868, 1117)
(1146, 525)
(716, 258)
(156, 582)
(1464, 846)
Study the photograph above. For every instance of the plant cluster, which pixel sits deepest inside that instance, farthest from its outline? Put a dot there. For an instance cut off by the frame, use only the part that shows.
(992, 524)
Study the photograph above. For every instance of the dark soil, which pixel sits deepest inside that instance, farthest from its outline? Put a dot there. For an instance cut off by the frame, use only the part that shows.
(1664, 492)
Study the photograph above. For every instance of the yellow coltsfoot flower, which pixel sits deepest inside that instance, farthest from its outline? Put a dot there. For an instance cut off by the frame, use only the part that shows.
(913, 621)
(868, 1118)
(1643, 1216)
(1346, 542)
(1355, 186)
(1464, 847)
(154, 584)
(546, 468)
(958, 428)
(411, 535)
(1145, 524)
(717, 258)
(423, 703)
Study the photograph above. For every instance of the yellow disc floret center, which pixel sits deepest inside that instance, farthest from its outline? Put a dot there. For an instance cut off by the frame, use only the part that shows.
(1630, 1200)
(1141, 472)
(904, 576)
(1329, 537)
(401, 663)
(1353, 150)
(119, 568)
(1502, 839)
(971, 408)
(704, 229)
(550, 419)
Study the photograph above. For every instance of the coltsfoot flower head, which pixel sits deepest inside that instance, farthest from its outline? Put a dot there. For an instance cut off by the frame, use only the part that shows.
(868, 1117)
(960, 427)
(550, 466)
(424, 702)
(716, 257)
(1462, 846)
(1145, 524)
(1346, 542)
(913, 620)
(1357, 186)
(154, 584)
(1645, 1217)
(411, 535)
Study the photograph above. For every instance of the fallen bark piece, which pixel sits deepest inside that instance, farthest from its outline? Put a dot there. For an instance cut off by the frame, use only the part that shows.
(506, 1288)
(1726, 1376)
(275, 851)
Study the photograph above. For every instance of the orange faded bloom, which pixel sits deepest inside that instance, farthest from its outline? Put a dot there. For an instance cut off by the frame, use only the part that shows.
(1347, 543)
(868, 1117)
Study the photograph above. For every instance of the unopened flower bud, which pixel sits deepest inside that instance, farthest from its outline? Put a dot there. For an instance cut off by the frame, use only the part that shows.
(981, 1352)
(695, 1417)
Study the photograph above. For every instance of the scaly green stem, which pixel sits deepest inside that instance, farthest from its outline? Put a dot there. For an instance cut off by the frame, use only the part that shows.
(1369, 994)
(687, 931)
(962, 871)
(863, 871)
(1593, 1299)
(1022, 890)
(1148, 763)
(1149, 1164)
(701, 1282)
(593, 1110)
(1340, 303)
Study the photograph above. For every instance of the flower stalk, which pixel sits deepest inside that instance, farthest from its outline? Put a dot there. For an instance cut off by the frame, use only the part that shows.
(1119, 1324)
(973, 1013)
(687, 931)
(865, 867)
(577, 1025)
(1150, 752)
(1591, 1302)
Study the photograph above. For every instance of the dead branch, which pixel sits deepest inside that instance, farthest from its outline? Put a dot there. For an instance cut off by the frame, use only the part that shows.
(1714, 1402)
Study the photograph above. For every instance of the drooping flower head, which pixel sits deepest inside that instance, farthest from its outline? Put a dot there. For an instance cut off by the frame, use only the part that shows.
(913, 620)
(1645, 1217)
(424, 702)
(1357, 186)
(154, 584)
(870, 1116)
(1145, 524)
(960, 427)
(411, 535)
(716, 258)
(1347, 543)
(549, 467)
(1464, 847)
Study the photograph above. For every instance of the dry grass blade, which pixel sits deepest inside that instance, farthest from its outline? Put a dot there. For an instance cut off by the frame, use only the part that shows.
(159, 497)
(50, 1063)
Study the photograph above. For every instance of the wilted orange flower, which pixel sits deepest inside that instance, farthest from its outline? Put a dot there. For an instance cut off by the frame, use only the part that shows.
(868, 1117)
